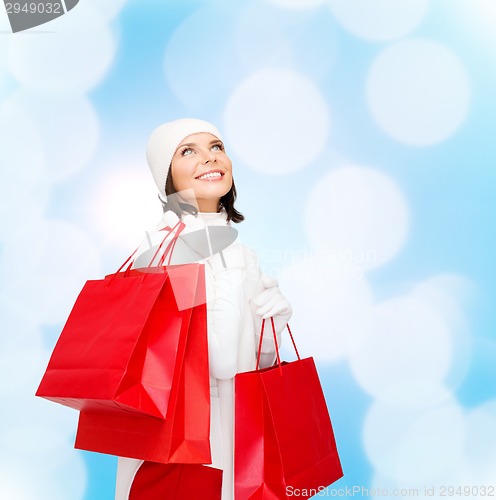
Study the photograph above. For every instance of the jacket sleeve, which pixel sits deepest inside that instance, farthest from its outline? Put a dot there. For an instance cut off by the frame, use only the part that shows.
(227, 288)
(225, 303)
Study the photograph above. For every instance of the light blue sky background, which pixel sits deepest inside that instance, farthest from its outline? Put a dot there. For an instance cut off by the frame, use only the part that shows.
(363, 144)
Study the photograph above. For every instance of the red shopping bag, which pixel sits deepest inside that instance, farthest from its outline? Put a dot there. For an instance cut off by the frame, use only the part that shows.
(183, 437)
(284, 442)
(119, 335)
(176, 481)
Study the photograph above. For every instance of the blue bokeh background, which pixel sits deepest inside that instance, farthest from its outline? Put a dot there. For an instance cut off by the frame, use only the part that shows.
(355, 128)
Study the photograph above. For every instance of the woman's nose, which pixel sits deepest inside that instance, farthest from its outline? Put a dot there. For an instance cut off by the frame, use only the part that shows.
(208, 157)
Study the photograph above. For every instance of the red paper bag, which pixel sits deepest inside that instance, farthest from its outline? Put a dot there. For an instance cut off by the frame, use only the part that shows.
(119, 335)
(121, 344)
(183, 437)
(176, 481)
(284, 441)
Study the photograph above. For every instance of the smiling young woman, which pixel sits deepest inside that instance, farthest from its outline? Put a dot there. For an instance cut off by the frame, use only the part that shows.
(201, 164)
(194, 176)
(201, 167)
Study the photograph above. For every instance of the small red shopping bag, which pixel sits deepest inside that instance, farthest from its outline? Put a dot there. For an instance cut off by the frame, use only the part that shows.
(176, 482)
(284, 441)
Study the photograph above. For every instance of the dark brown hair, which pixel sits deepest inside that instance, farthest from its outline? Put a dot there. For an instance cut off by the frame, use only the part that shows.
(226, 202)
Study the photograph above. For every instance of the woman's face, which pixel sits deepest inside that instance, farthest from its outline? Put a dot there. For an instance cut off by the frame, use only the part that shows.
(201, 164)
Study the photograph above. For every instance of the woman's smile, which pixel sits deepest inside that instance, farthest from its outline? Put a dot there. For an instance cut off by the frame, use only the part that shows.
(211, 175)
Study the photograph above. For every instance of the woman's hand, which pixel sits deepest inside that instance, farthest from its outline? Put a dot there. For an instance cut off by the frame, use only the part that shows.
(271, 302)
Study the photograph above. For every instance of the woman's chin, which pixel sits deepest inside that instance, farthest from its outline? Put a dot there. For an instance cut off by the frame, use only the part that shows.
(212, 190)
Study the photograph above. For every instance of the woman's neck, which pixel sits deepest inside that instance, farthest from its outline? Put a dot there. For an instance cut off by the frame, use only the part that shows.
(206, 206)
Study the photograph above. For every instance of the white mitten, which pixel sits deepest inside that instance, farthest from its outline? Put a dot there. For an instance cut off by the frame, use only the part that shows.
(270, 303)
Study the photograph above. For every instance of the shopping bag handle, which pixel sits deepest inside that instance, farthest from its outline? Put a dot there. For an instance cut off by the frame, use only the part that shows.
(275, 342)
(170, 247)
(168, 251)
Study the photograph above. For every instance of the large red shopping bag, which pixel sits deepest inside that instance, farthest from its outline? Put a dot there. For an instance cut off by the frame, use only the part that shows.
(120, 334)
(284, 441)
(183, 436)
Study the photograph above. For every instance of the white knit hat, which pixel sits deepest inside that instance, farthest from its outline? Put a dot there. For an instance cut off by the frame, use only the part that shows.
(164, 141)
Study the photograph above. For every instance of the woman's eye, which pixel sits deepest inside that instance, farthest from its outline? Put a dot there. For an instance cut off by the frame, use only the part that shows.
(186, 151)
(217, 147)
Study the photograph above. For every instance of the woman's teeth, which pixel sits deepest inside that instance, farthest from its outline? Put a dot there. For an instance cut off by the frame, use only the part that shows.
(210, 175)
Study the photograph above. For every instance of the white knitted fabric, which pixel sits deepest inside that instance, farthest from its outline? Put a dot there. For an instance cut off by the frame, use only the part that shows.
(164, 141)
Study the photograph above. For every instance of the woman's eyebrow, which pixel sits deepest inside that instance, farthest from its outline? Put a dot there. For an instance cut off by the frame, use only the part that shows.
(194, 143)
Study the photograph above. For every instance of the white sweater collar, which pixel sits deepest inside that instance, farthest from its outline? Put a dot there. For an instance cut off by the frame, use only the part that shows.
(192, 222)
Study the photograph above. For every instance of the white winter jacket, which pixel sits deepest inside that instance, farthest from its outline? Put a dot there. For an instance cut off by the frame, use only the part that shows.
(233, 334)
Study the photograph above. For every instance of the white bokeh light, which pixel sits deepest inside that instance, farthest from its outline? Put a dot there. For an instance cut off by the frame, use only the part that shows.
(480, 442)
(69, 129)
(297, 4)
(409, 445)
(74, 56)
(24, 190)
(60, 477)
(37, 448)
(418, 91)
(108, 9)
(124, 205)
(17, 331)
(4, 27)
(18, 368)
(201, 69)
(455, 474)
(382, 486)
(310, 46)
(335, 303)
(22, 210)
(408, 342)
(358, 212)
(48, 414)
(13, 483)
(44, 269)
(3, 77)
(477, 19)
(379, 20)
(449, 294)
(22, 364)
(277, 121)
(269, 45)
(431, 445)
(485, 9)
(32, 439)
(415, 392)
(22, 166)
